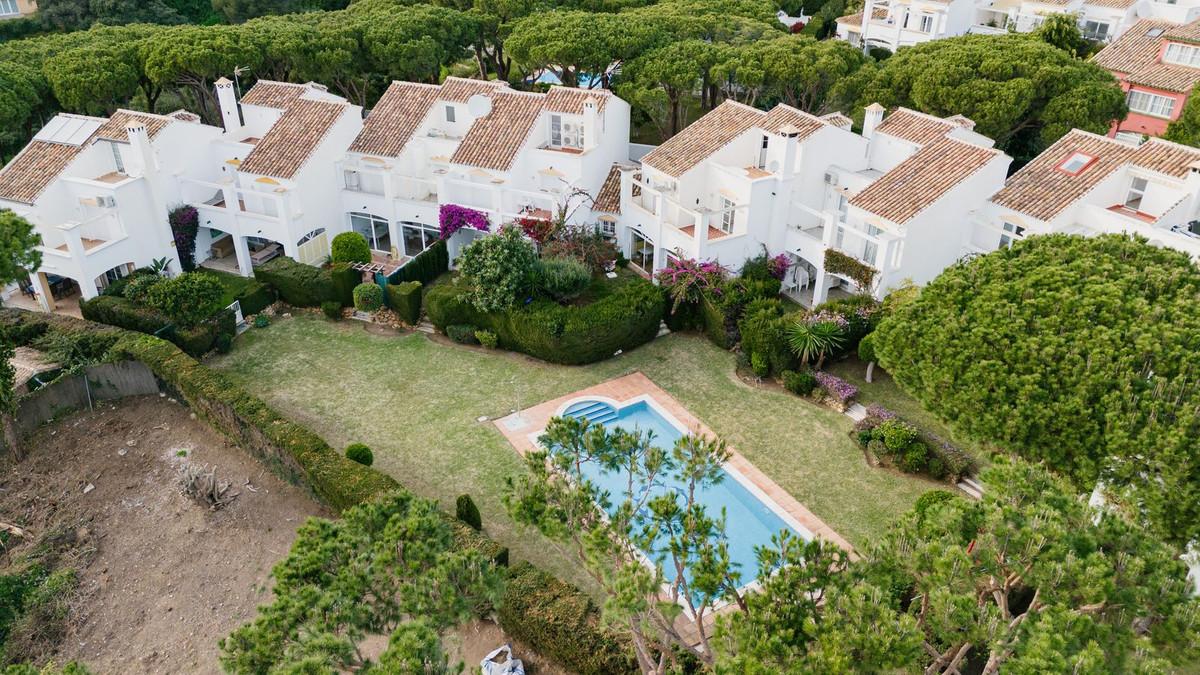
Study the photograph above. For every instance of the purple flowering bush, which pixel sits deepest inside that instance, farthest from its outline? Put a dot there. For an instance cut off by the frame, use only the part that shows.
(779, 265)
(185, 224)
(686, 280)
(836, 388)
(452, 218)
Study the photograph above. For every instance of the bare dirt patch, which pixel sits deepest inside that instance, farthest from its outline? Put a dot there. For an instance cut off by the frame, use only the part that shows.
(161, 577)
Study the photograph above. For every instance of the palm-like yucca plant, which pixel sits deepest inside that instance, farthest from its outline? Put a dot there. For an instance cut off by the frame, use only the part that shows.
(813, 341)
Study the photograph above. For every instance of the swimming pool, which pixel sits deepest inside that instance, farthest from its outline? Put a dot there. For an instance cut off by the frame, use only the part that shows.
(751, 518)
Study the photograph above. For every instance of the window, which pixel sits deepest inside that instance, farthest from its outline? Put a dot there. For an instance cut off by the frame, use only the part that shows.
(871, 249)
(728, 215)
(8, 7)
(762, 152)
(1137, 190)
(641, 251)
(926, 23)
(1131, 137)
(607, 229)
(1184, 55)
(310, 236)
(1076, 163)
(116, 149)
(843, 207)
(1094, 30)
(1010, 231)
(449, 113)
(1151, 104)
(374, 229)
(417, 237)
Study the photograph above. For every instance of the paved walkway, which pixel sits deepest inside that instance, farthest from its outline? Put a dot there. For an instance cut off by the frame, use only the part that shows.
(518, 426)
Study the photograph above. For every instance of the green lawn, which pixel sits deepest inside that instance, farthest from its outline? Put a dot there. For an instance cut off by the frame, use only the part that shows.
(884, 391)
(416, 401)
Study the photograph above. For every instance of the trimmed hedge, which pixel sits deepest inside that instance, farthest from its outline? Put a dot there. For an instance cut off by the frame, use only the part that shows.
(297, 284)
(627, 317)
(123, 313)
(344, 278)
(556, 620)
(254, 295)
(405, 300)
(427, 266)
(368, 297)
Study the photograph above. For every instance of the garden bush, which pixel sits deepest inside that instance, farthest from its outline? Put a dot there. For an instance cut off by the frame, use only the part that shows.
(861, 314)
(188, 298)
(368, 297)
(332, 309)
(462, 333)
(841, 391)
(800, 383)
(760, 365)
(345, 278)
(253, 295)
(562, 278)
(224, 343)
(762, 330)
(350, 247)
(888, 437)
(626, 317)
(556, 620)
(427, 266)
(722, 307)
(262, 321)
(123, 313)
(466, 511)
(487, 338)
(582, 243)
(138, 288)
(297, 284)
(360, 453)
(405, 300)
(498, 271)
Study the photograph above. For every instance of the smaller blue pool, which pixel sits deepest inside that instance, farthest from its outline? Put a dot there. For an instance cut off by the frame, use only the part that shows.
(749, 522)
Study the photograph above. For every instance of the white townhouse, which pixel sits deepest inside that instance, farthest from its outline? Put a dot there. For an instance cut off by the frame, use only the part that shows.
(1089, 184)
(741, 181)
(903, 23)
(478, 144)
(265, 187)
(98, 191)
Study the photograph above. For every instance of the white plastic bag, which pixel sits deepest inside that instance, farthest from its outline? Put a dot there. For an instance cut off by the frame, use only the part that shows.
(510, 666)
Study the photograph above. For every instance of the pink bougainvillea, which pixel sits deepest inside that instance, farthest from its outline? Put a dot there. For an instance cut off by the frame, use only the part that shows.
(686, 280)
(452, 218)
(779, 265)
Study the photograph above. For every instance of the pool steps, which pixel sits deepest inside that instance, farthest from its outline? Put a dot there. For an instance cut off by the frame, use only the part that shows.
(597, 412)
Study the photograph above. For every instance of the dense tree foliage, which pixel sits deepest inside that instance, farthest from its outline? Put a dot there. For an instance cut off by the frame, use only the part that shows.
(1029, 580)
(1082, 352)
(18, 248)
(1186, 128)
(1020, 91)
(386, 568)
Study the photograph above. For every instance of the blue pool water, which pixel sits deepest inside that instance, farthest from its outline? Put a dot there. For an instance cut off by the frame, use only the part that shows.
(748, 521)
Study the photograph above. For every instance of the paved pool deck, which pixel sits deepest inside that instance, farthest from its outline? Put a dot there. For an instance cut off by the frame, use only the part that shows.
(518, 426)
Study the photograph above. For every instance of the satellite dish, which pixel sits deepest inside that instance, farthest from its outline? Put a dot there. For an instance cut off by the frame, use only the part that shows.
(479, 106)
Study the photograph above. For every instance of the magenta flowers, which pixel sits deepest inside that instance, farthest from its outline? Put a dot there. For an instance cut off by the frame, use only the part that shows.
(452, 218)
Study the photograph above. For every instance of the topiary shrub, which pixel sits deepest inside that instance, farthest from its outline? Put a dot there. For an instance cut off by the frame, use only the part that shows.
(332, 309)
(344, 279)
(187, 299)
(466, 511)
(487, 338)
(296, 283)
(462, 333)
(563, 278)
(360, 453)
(405, 300)
(350, 247)
(800, 383)
(368, 297)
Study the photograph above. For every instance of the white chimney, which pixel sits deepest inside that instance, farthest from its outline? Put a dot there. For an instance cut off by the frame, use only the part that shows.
(139, 140)
(227, 101)
(591, 124)
(791, 147)
(872, 116)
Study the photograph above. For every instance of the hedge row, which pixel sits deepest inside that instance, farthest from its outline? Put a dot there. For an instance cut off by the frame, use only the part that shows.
(298, 284)
(405, 300)
(427, 266)
(624, 319)
(553, 617)
(122, 313)
(558, 621)
(253, 295)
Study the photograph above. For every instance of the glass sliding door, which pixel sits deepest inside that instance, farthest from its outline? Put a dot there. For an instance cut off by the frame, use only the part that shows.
(417, 237)
(374, 229)
(641, 251)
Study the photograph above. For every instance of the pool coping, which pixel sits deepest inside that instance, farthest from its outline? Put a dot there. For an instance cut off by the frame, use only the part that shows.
(522, 427)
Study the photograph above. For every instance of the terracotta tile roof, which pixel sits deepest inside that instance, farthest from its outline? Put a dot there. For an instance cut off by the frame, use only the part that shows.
(114, 128)
(877, 14)
(570, 101)
(922, 179)
(608, 199)
(184, 116)
(1135, 49)
(1041, 190)
(395, 119)
(915, 127)
(1113, 4)
(495, 139)
(293, 138)
(270, 94)
(459, 89)
(837, 119)
(718, 128)
(1166, 76)
(33, 169)
(1188, 32)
